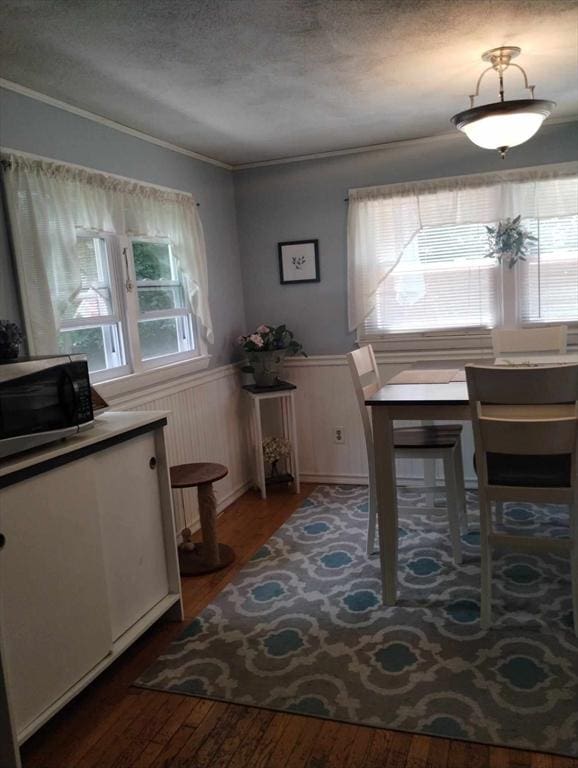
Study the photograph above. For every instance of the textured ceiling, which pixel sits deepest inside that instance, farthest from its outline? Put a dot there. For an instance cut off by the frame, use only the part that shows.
(249, 80)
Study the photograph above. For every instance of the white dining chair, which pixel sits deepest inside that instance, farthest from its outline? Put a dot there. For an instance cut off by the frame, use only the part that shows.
(525, 424)
(439, 441)
(520, 342)
(524, 341)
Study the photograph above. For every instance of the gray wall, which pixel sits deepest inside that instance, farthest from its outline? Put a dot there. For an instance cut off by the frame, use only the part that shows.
(295, 201)
(31, 126)
(298, 201)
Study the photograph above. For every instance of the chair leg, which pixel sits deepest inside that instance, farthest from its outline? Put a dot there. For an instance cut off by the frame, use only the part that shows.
(500, 513)
(429, 480)
(461, 487)
(372, 517)
(486, 563)
(573, 510)
(453, 506)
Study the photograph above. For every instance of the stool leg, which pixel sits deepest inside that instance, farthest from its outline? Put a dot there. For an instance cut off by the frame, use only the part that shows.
(208, 515)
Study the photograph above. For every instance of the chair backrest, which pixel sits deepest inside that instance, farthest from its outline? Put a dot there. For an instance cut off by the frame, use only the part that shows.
(524, 412)
(366, 381)
(522, 341)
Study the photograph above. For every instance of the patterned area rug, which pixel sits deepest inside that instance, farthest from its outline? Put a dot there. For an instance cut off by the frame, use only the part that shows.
(302, 629)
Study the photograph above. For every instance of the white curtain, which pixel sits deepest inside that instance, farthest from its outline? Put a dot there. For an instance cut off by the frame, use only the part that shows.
(383, 221)
(49, 202)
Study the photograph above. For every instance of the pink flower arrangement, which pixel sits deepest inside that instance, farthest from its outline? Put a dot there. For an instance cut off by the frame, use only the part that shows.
(268, 338)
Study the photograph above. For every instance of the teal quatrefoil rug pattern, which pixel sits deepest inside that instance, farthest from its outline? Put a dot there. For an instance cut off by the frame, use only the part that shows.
(302, 629)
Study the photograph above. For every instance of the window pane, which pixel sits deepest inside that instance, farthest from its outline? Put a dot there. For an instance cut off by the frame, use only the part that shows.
(549, 278)
(152, 261)
(153, 299)
(94, 298)
(86, 341)
(158, 337)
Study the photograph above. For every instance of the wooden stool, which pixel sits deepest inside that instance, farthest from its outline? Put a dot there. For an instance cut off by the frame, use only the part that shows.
(208, 555)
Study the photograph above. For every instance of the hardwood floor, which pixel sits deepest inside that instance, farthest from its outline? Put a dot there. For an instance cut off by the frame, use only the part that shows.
(112, 725)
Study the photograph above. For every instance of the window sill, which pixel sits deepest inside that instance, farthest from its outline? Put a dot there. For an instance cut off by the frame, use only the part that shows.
(415, 347)
(136, 384)
(430, 346)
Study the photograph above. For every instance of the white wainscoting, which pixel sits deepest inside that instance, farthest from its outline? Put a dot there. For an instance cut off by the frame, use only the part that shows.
(325, 400)
(206, 423)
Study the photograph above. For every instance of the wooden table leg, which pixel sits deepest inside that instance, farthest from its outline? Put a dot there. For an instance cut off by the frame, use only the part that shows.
(386, 494)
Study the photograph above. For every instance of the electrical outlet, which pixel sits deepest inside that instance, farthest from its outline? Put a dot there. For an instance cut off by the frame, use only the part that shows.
(339, 435)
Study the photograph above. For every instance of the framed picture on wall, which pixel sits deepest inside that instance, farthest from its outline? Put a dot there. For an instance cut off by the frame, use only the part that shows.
(299, 261)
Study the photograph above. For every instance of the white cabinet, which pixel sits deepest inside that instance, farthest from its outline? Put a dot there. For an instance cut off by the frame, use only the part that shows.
(88, 563)
(53, 598)
(132, 530)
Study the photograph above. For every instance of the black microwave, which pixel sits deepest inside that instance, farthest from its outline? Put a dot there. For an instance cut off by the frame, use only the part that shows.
(42, 400)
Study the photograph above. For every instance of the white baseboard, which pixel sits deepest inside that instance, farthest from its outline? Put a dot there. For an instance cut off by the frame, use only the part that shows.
(333, 479)
(469, 483)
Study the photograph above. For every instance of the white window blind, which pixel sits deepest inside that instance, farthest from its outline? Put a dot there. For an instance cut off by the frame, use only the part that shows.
(417, 254)
(441, 282)
(548, 282)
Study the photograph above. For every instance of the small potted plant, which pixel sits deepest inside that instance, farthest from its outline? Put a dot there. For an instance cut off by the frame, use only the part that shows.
(266, 349)
(10, 340)
(509, 241)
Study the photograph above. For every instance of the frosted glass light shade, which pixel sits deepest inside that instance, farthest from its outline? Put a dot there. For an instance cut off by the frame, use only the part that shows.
(503, 124)
(503, 130)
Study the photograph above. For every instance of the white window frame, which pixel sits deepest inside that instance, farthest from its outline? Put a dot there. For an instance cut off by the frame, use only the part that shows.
(117, 321)
(124, 299)
(189, 326)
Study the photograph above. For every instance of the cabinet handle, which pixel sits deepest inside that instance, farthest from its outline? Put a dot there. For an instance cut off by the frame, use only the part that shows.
(152, 462)
(2, 540)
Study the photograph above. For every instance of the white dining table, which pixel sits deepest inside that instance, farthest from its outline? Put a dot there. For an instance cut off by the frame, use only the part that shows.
(419, 401)
(421, 394)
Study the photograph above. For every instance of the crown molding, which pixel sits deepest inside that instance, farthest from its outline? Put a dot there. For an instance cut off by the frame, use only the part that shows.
(445, 136)
(435, 138)
(31, 94)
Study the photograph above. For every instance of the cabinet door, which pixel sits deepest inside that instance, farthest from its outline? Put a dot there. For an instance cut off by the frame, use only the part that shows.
(132, 530)
(53, 600)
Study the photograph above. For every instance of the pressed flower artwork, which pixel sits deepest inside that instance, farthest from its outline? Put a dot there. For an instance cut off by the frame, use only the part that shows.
(299, 261)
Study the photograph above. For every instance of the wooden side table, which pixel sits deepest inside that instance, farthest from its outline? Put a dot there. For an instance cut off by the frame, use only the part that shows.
(285, 393)
(196, 558)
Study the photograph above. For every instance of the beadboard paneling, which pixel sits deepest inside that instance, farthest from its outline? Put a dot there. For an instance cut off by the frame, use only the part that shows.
(325, 400)
(207, 422)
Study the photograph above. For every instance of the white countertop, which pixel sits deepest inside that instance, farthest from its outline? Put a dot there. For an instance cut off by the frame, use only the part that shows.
(106, 425)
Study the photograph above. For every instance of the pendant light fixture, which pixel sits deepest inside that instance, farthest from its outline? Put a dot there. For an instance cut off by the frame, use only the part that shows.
(503, 124)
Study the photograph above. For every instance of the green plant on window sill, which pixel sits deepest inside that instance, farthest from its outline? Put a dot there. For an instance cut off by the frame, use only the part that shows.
(509, 241)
